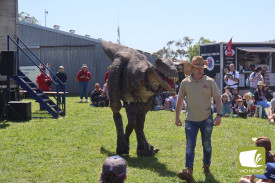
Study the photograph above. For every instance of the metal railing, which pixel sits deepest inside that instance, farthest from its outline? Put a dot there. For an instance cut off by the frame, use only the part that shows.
(55, 80)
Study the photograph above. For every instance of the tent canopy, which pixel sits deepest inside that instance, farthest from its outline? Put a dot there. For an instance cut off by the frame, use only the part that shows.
(257, 49)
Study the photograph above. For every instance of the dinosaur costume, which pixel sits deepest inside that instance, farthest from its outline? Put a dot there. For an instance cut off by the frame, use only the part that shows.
(135, 81)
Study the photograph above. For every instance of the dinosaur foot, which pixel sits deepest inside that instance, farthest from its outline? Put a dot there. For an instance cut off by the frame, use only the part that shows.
(147, 151)
(122, 148)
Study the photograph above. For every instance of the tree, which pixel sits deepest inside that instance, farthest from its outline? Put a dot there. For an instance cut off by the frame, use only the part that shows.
(195, 49)
(181, 49)
(22, 17)
(175, 49)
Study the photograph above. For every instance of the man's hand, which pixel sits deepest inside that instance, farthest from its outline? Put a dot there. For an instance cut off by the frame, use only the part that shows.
(178, 122)
(217, 121)
(250, 177)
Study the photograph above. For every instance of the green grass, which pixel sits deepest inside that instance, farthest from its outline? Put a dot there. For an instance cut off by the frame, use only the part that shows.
(72, 149)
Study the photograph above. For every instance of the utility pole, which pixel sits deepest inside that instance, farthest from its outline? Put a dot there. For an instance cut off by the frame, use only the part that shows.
(118, 30)
(46, 12)
(118, 35)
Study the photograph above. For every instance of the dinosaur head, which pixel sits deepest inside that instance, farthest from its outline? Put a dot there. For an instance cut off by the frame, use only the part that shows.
(163, 74)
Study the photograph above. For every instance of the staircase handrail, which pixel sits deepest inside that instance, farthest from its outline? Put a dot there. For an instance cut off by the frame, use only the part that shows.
(54, 76)
(55, 80)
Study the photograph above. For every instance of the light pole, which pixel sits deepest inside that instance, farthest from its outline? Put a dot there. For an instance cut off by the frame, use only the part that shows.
(46, 12)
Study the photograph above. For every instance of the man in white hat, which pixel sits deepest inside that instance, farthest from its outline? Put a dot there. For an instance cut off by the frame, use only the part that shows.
(83, 77)
(198, 91)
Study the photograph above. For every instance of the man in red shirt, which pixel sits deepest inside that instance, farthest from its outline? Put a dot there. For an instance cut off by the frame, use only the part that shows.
(44, 81)
(83, 76)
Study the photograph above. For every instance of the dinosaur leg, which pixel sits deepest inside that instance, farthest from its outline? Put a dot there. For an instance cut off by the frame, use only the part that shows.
(122, 146)
(131, 115)
(144, 148)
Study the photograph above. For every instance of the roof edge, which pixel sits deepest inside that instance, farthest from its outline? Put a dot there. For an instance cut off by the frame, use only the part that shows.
(59, 31)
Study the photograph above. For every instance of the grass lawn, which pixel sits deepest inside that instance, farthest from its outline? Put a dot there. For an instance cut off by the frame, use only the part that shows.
(72, 149)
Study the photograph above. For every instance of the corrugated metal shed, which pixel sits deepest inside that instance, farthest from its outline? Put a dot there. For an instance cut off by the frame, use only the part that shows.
(70, 50)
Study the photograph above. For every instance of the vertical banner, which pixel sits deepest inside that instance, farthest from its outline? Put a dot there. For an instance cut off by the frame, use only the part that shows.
(229, 48)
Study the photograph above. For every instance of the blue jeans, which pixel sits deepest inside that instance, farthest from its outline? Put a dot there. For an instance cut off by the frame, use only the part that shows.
(83, 87)
(191, 132)
(264, 105)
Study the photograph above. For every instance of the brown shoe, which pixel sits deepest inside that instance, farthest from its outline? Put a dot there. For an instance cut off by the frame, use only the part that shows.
(206, 169)
(186, 174)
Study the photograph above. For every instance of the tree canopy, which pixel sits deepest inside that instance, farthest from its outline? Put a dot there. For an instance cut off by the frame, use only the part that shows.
(22, 17)
(181, 49)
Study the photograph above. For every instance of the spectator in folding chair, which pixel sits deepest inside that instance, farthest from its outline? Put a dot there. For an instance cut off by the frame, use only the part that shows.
(260, 98)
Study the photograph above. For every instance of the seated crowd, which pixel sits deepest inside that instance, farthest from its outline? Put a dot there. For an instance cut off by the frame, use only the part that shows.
(260, 104)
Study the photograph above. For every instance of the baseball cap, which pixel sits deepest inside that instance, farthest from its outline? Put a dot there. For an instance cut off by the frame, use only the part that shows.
(116, 165)
(263, 142)
(269, 172)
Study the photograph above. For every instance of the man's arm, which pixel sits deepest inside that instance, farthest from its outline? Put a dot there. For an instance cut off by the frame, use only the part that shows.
(226, 77)
(236, 77)
(219, 110)
(178, 111)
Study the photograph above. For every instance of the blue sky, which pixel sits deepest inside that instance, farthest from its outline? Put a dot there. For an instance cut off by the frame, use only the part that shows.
(149, 24)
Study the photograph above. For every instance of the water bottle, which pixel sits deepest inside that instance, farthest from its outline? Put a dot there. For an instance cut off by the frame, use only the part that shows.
(231, 115)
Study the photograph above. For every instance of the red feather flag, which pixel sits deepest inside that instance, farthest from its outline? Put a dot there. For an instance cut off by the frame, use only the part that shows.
(229, 48)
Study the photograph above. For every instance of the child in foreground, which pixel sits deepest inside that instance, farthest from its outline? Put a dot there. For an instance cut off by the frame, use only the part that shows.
(114, 170)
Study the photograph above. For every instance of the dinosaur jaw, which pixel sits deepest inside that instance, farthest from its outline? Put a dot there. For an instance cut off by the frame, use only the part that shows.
(167, 83)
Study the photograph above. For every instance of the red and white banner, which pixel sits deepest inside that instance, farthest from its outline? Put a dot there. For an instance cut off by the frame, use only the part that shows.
(229, 48)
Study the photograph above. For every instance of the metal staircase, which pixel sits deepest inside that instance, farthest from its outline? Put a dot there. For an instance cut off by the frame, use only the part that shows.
(54, 108)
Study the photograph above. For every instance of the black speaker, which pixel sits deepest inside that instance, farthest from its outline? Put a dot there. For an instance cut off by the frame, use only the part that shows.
(2, 101)
(8, 63)
(19, 111)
